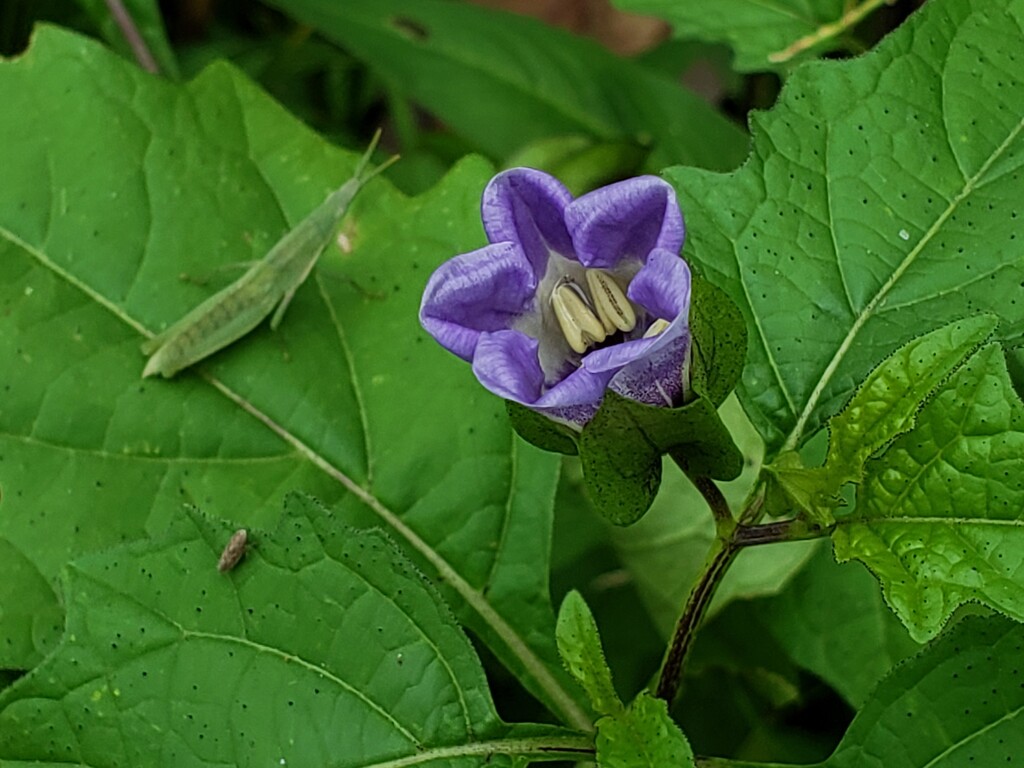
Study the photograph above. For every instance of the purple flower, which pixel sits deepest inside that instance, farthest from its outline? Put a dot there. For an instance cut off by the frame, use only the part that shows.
(571, 297)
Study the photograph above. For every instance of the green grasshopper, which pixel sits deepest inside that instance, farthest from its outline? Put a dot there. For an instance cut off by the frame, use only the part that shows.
(232, 312)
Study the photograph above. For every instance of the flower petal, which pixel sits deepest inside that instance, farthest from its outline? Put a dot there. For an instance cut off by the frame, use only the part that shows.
(526, 206)
(657, 378)
(506, 363)
(485, 290)
(582, 387)
(625, 221)
(662, 286)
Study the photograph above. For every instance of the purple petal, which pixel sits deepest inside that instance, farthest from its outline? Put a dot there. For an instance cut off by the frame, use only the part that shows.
(527, 207)
(485, 290)
(662, 286)
(625, 221)
(579, 388)
(506, 363)
(657, 378)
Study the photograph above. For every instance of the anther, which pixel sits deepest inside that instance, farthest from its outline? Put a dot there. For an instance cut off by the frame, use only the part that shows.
(658, 326)
(613, 308)
(579, 325)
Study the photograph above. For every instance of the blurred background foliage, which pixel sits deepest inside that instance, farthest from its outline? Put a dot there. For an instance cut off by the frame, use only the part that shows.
(752, 673)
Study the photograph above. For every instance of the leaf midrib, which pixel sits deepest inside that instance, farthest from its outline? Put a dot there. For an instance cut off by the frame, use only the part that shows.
(793, 440)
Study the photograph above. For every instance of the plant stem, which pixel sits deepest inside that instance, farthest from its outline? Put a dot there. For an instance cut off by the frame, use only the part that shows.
(132, 36)
(782, 530)
(732, 535)
(719, 506)
(720, 557)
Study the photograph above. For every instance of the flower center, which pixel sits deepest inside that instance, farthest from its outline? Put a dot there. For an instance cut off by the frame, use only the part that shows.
(588, 318)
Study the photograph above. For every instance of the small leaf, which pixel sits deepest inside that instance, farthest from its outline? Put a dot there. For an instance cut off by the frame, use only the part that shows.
(579, 645)
(940, 514)
(642, 736)
(541, 431)
(719, 341)
(885, 405)
(622, 446)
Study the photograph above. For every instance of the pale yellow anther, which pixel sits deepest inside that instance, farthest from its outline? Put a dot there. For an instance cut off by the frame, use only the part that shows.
(579, 325)
(613, 308)
(658, 326)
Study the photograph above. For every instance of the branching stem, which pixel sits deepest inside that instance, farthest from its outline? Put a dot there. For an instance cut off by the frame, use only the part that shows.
(732, 536)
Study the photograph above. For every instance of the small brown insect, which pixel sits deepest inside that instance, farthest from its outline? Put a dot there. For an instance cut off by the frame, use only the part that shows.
(234, 551)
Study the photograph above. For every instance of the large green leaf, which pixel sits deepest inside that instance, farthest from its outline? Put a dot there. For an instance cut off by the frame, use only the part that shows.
(168, 661)
(881, 201)
(114, 184)
(940, 514)
(957, 703)
(755, 29)
(831, 619)
(528, 81)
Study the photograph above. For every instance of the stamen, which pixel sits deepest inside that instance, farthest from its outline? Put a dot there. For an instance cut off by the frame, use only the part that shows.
(658, 326)
(579, 325)
(613, 308)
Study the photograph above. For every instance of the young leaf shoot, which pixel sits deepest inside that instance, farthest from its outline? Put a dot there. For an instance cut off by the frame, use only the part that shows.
(271, 282)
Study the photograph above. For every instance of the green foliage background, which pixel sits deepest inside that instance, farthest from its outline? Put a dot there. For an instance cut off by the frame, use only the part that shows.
(404, 540)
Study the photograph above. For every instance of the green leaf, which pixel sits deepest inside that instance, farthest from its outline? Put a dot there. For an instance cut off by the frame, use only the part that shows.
(621, 450)
(793, 489)
(886, 403)
(642, 736)
(883, 407)
(870, 213)
(215, 667)
(529, 81)
(719, 341)
(940, 514)
(541, 431)
(145, 17)
(579, 162)
(664, 551)
(30, 617)
(106, 201)
(579, 644)
(831, 619)
(754, 29)
(957, 703)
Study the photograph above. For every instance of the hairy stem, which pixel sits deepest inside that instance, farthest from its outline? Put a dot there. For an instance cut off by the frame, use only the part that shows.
(782, 530)
(722, 553)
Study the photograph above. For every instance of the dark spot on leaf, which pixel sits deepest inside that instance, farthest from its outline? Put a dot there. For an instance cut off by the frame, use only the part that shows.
(412, 29)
